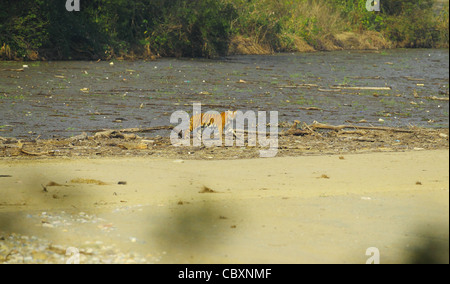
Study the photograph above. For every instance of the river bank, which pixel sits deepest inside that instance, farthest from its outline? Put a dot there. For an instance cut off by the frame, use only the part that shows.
(282, 210)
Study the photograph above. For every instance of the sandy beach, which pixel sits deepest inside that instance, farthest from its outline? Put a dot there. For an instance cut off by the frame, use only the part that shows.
(306, 209)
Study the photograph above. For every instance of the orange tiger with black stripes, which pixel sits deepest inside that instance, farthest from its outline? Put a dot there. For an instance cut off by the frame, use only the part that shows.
(221, 121)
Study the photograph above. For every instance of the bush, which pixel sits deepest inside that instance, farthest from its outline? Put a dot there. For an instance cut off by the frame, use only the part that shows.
(24, 31)
(407, 23)
(411, 23)
(194, 28)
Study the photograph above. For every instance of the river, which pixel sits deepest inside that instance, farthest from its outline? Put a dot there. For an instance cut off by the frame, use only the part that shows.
(62, 99)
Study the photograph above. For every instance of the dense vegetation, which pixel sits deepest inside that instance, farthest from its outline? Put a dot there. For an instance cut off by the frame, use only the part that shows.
(104, 29)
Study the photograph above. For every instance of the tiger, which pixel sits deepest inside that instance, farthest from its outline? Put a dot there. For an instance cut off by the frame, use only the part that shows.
(221, 121)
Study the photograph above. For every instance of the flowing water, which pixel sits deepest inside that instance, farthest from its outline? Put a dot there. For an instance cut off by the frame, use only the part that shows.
(62, 99)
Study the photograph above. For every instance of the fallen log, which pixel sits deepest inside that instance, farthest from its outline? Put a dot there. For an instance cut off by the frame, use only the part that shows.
(14, 70)
(317, 125)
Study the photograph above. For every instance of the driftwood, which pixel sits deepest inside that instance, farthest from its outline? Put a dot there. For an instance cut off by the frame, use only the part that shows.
(366, 77)
(108, 134)
(14, 70)
(328, 90)
(310, 108)
(121, 133)
(317, 125)
(295, 131)
(298, 86)
(134, 130)
(20, 144)
(363, 88)
(437, 98)
(311, 129)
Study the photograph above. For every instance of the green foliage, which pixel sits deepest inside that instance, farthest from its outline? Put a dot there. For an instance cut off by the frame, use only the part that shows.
(107, 28)
(25, 31)
(413, 23)
(193, 28)
(43, 29)
(262, 20)
(405, 7)
(408, 23)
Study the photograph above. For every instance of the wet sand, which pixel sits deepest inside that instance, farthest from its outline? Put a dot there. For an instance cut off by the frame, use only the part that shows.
(307, 209)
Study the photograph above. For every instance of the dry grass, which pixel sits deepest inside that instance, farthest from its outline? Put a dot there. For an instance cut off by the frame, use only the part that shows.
(6, 53)
(328, 20)
(306, 26)
(244, 45)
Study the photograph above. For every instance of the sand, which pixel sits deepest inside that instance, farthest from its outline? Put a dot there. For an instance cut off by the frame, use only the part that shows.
(306, 209)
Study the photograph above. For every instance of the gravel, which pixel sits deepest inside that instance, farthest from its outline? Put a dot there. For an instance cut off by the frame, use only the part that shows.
(18, 249)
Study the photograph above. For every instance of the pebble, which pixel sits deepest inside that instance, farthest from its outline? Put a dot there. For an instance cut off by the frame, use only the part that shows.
(18, 249)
